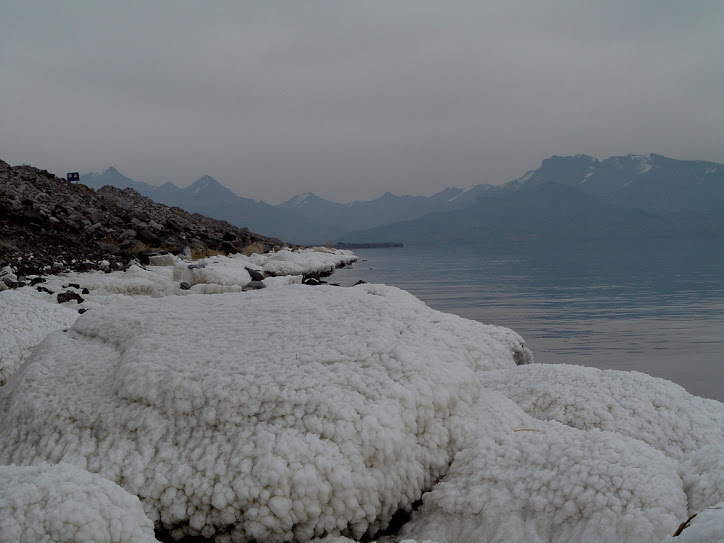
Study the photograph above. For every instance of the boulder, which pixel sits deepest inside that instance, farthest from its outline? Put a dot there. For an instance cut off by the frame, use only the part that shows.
(256, 275)
(254, 285)
(68, 296)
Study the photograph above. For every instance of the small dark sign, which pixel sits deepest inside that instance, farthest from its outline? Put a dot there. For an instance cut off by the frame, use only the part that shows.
(73, 176)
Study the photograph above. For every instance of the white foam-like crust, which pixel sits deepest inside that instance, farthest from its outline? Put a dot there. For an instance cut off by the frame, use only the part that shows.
(653, 410)
(703, 474)
(25, 319)
(288, 412)
(27, 316)
(553, 484)
(60, 503)
(706, 527)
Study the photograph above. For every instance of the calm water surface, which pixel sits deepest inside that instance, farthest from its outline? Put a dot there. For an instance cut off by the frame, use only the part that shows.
(652, 306)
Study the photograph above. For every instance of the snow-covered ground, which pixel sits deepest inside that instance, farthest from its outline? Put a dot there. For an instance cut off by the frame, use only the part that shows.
(315, 413)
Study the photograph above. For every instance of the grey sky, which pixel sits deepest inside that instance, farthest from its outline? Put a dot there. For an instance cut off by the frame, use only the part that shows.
(351, 99)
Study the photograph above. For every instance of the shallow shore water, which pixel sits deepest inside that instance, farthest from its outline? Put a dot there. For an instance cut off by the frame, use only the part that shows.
(655, 306)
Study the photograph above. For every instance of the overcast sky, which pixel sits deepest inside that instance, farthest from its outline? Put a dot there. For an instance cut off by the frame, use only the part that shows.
(352, 99)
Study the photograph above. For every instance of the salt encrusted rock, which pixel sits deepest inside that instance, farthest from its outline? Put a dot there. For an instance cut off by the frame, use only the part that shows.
(288, 262)
(282, 413)
(221, 270)
(26, 319)
(65, 504)
(656, 411)
(554, 484)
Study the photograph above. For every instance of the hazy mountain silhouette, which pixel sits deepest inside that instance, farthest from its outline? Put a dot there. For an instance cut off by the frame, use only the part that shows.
(538, 212)
(567, 197)
(209, 197)
(584, 198)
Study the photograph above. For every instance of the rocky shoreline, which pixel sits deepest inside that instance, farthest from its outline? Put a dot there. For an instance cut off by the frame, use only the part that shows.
(49, 225)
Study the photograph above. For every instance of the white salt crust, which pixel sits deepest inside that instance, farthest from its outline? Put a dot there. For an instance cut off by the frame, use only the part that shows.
(64, 504)
(552, 483)
(292, 412)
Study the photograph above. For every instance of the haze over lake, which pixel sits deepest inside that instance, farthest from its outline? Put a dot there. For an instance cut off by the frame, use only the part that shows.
(655, 306)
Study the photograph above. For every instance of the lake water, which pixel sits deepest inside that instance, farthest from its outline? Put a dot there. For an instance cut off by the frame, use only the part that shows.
(652, 306)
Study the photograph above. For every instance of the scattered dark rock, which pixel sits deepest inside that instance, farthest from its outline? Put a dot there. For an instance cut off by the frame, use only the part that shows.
(256, 275)
(311, 281)
(85, 291)
(360, 282)
(68, 296)
(36, 281)
(184, 285)
(18, 284)
(254, 285)
(44, 289)
(229, 236)
(71, 285)
(82, 310)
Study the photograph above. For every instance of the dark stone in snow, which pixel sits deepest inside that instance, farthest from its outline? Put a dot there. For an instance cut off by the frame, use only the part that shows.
(184, 285)
(82, 310)
(36, 281)
(85, 291)
(19, 284)
(360, 282)
(68, 296)
(256, 275)
(254, 285)
(311, 281)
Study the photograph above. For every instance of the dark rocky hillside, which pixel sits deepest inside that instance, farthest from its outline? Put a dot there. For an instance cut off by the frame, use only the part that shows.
(48, 225)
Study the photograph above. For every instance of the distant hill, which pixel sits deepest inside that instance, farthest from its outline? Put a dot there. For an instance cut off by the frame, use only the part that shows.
(209, 197)
(538, 212)
(388, 208)
(655, 183)
(114, 178)
(581, 197)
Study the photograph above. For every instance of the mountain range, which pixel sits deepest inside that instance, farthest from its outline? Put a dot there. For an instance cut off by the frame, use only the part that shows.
(566, 197)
